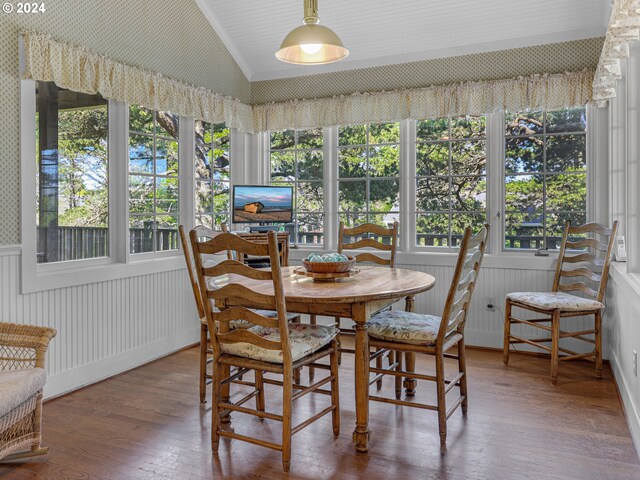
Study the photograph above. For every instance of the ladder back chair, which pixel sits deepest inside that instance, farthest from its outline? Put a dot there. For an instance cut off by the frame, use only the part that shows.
(432, 335)
(585, 274)
(362, 234)
(205, 357)
(271, 345)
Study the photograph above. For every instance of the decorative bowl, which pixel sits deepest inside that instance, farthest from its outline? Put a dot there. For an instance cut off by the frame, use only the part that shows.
(329, 267)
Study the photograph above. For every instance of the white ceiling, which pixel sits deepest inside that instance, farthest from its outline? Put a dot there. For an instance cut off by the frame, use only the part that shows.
(383, 32)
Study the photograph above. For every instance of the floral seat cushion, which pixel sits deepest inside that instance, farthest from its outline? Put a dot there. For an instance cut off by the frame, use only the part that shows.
(553, 300)
(405, 327)
(304, 339)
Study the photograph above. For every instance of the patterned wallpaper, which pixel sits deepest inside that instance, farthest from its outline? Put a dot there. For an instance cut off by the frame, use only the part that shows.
(175, 39)
(552, 58)
(170, 37)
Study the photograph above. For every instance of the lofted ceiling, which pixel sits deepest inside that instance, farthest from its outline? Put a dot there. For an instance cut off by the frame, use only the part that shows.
(378, 32)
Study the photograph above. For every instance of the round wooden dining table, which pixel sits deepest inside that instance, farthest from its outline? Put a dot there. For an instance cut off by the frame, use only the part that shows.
(357, 298)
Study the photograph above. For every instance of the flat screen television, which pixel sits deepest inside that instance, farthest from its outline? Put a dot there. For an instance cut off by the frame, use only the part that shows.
(262, 204)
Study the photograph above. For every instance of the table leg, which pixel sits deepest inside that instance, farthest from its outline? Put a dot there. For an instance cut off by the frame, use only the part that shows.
(410, 358)
(361, 433)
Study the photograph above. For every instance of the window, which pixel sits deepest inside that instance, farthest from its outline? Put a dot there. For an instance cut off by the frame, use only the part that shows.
(451, 181)
(368, 174)
(545, 176)
(153, 180)
(72, 203)
(212, 174)
(296, 160)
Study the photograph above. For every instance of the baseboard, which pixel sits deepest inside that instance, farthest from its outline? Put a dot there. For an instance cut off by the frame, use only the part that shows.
(94, 372)
(630, 410)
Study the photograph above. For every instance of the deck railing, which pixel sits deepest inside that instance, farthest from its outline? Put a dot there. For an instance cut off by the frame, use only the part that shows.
(76, 243)
(436, 240)
(91, 242)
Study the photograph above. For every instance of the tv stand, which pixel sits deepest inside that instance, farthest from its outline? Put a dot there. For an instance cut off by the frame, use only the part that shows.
(264, 228)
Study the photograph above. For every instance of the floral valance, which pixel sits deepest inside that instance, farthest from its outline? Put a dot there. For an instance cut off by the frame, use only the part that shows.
(549, 91)
(624, 28)
(78, 69)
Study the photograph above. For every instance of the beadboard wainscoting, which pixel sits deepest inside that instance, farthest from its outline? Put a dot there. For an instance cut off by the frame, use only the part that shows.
(485, 327)
(104, 328)
(107, 327)
(622, 336)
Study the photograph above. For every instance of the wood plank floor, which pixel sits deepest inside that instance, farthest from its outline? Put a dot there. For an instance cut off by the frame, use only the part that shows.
(148, 424)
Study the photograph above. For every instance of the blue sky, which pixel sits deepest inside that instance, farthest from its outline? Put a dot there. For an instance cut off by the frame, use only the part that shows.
(269, 196)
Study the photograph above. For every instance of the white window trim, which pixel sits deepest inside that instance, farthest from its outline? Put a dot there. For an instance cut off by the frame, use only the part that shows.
(409, 253)
(119, 264)
(409, 166)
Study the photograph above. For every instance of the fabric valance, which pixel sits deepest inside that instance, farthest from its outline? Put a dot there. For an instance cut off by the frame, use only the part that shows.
(624, 28)
(78, 69)
(549, 91)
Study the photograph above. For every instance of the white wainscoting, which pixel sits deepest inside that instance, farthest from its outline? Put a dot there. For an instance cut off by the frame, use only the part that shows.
(484, 327)
(104, 328)
(108, 327)
(622, 333)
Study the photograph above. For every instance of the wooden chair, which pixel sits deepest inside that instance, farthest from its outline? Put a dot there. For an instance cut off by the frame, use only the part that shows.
(418, 333)
(363, 240)
(593, 270)
(206, 352)
(271, 345)
(22, 377)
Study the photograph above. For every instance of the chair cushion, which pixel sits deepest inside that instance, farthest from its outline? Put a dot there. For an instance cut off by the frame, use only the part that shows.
(304, 339)
(16, 386)
(404, 327)
(552, 300)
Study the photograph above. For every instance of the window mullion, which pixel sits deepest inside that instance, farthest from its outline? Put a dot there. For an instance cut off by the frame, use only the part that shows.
(118, 181)
(407, 185)
(330, 183)
(495, 175)
(186, 172)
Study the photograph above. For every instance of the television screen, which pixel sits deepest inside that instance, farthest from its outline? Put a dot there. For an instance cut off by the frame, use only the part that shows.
(263, 204)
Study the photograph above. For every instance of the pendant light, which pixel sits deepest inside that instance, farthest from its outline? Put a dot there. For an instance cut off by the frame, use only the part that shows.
(311, 43)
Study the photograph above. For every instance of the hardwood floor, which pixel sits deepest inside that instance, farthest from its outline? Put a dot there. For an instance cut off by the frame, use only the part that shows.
(149, 424)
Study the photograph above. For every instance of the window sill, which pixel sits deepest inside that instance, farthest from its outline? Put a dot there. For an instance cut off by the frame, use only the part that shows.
(69, 276)
(501, 261)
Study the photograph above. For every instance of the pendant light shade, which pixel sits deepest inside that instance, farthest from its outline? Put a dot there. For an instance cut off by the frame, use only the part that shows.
(311, 43)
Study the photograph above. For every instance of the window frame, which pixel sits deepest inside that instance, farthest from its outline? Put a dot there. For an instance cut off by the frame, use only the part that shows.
(296, 180)
(155, 253)
(119, 264)
(450, 212)
(589, 180)
(495, 172)
(368, 178)
(232, 168)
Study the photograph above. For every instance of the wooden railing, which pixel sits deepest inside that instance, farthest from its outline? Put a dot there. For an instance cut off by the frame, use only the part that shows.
(435, 240)
(76, 243)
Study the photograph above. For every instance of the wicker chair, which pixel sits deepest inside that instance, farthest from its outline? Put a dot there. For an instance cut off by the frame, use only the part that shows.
(22, 376)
